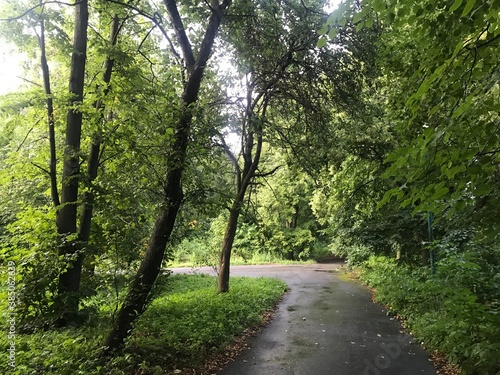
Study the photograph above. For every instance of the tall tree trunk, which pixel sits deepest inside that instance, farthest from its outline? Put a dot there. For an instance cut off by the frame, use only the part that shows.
(95, 147)
(69, 280)
(137, 297)
(243, 179)
(54, 193)
(248, 174)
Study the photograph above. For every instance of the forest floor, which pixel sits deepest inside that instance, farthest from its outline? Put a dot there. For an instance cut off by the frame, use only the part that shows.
(326, 325)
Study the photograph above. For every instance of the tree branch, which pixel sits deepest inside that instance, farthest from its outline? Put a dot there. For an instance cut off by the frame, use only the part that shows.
(180, 31)
(41, 168)
(27, 134)
(39, 6)
(156, 19)
(268, 173)
(27, 80)
(232, 158)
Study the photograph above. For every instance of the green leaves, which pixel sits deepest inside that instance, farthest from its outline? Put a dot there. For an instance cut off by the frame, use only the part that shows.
(464, 106)
(333, 33)
(455, 5)
(321, 42)
(358, 16)
(441, 106)
(379, 5)
(468, 7)
(323, 30)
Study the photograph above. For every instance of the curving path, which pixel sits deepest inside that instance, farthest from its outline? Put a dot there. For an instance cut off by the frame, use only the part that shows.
(325, 326)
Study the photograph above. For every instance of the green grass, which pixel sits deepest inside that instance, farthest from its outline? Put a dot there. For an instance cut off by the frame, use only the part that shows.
(185, 324)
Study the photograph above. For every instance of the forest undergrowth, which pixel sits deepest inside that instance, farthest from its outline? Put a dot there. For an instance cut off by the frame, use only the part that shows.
(187, 322)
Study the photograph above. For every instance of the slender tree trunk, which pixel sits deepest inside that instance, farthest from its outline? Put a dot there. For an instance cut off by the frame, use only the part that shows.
(248, 174)
(137, 297)
(227, 243)
(54, 193)
(95, 147)
(243, 179)
(69, 280)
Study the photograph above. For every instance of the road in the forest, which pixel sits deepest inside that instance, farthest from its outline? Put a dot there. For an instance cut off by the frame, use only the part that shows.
(326, 326)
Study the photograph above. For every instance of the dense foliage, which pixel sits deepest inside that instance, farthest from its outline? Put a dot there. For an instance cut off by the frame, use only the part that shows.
(437, 153)
(268, 129)
(454, 311)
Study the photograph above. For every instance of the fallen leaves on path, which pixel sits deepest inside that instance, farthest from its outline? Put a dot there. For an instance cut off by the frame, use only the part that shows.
(443, 367)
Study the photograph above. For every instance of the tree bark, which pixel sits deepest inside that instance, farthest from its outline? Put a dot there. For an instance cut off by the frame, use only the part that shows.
(95, 147)
(54, 193)
(227, 243)
(69, 280)
(243, 179)
(137, 297)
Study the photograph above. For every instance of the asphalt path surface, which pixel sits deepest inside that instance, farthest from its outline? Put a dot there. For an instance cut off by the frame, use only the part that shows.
(325, 326)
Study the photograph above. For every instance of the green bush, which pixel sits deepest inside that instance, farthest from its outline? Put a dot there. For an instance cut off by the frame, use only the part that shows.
(358, 254)
(292, 244)
(321, 251)
(443, 310)
(195, 251)
(32, 244)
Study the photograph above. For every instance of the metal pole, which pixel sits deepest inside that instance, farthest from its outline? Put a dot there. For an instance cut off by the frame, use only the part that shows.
(430, 219)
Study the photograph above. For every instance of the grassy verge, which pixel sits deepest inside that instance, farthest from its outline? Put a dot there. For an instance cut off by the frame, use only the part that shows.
(442, 311)
(184, 325)
(239, 261)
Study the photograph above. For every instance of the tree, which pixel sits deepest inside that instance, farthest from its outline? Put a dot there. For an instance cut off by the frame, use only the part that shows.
(137, 297)
(89, 111)
(443, 102)
(251, 149)
(435, 96)
(69, 280)
(286, 83)
(285, 217)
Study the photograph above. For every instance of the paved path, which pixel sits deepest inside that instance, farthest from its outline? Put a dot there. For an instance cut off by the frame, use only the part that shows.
(326, 326)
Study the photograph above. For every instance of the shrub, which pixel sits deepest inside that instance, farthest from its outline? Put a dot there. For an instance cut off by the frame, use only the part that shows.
(442, 310)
